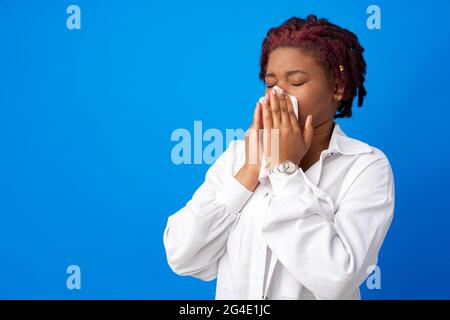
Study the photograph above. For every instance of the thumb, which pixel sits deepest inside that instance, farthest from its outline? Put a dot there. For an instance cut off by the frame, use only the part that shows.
(308, 133)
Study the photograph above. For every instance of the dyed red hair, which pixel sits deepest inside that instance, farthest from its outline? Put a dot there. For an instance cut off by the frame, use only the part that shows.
(332, 46)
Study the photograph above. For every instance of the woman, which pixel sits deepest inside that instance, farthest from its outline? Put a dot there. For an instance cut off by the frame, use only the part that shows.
(311, 223)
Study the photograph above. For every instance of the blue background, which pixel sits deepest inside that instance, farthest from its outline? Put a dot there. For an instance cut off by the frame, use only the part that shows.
(86, 118)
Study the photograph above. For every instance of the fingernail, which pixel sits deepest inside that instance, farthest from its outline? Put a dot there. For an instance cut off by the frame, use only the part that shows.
(273, 92)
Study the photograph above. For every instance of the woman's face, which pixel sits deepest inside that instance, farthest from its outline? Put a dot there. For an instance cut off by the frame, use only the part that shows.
(300, 75)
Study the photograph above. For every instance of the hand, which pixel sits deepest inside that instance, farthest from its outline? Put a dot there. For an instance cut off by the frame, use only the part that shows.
(248, 175)
(283, 138)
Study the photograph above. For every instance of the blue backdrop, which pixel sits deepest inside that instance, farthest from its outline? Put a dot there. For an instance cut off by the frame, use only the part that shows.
(86, 117)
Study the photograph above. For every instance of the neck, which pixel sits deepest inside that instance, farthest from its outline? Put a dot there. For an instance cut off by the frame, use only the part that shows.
(320, 142)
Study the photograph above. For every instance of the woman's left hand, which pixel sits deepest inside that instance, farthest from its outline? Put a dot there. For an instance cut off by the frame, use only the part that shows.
(283, 137)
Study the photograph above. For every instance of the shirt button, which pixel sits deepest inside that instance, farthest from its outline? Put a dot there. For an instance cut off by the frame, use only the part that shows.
(266, 194)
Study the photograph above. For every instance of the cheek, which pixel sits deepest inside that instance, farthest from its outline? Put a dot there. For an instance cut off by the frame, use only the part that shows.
(315, 102)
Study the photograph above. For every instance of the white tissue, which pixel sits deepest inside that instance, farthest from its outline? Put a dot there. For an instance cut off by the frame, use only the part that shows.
(293, 100)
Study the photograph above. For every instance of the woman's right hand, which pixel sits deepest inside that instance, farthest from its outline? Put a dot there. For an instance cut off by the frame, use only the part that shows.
(248, 174)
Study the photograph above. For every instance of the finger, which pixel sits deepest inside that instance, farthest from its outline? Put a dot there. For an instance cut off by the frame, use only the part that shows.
(308, 132)
(251, 138)
(292, 118)
(254, 123)
(257, 116)
(286, 114)
(275, 108)
(252, 146)
(258, 119)
(266, 144)
(268, 125)
(267, 114)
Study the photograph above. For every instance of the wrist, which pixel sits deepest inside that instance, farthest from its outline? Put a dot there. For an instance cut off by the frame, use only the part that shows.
(248, 176)
(251, 170)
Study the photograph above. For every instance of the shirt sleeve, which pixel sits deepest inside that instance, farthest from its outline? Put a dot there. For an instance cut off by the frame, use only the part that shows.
(328, 249)
(195, 236)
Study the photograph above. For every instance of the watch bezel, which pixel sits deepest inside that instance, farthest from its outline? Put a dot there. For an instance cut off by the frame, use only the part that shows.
(289, 167)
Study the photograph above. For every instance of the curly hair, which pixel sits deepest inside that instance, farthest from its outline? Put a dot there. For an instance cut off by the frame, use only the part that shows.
(336, 49)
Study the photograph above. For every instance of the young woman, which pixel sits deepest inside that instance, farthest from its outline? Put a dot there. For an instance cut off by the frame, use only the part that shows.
(310, 224)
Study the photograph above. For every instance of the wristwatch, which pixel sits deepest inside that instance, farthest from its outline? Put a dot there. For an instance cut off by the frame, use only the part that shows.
(287, 166)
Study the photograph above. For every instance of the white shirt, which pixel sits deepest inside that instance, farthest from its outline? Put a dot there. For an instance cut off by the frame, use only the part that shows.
(308, 235)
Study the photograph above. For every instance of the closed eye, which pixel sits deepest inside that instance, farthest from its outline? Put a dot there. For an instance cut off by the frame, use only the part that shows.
(293, 84)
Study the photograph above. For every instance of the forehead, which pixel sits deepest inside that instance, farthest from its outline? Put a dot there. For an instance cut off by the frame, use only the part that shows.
(285, 59)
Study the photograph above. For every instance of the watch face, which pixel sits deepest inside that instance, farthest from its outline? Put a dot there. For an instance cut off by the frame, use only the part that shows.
(289, 167)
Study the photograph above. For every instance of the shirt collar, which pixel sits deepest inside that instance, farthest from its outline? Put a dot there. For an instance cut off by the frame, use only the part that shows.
(341, 143)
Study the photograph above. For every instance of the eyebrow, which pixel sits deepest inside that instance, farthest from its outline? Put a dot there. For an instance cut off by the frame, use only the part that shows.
(288, 73)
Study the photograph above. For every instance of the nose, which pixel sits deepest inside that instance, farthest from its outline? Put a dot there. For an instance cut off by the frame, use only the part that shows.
(279, 88)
